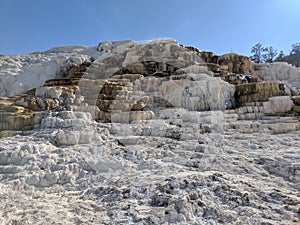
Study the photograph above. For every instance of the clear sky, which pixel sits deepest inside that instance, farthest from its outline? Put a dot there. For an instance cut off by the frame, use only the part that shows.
(220, 26)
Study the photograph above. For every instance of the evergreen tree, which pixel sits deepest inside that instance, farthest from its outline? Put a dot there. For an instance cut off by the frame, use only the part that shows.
(295, 49)
(257, 53)
(280, 57)
(270, 54)
(294, 56)
(262, 54)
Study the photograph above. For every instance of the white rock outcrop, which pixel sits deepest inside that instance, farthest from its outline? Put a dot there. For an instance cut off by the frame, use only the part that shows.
(20, 73)
(166, 51)
(48, 92)
(280, 72)
(278, 104)
(69, 127)
(204, 94)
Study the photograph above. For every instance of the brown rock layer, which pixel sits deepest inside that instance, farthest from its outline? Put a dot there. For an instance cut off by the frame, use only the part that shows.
(236, 63)
(77, 71)
(233, 62)
(257, 92)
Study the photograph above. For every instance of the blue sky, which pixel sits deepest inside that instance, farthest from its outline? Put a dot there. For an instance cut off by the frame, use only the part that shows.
(220, 26)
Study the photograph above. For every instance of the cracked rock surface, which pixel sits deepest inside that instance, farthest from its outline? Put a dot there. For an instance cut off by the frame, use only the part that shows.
(147, 133)
(211, 178)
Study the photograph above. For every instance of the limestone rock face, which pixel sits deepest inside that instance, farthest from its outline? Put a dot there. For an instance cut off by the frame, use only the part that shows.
(205, 94)
(21, 73)
(168, 52)
(157, 73)
(280, 72)
(236, 63)
(258, 92)
(233, 63)
(70, 128)
(14, 117)
(209, 57)
(13, 121)
(130, 81)
(19, 113)
(199, 92)
(148, 133)
(77, 70)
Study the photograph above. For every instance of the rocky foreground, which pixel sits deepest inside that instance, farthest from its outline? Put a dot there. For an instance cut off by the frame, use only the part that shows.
(148, 133)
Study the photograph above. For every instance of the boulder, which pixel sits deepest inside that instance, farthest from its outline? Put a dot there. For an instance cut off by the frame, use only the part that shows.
(207, 93)
(278, 104)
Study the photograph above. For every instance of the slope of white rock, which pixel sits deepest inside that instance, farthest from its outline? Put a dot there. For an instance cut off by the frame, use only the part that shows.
(20, 73)
(280, 72)
(157, 173)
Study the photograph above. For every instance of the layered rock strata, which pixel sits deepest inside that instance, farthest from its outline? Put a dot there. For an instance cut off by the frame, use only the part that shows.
(147, 133)
(130, 81)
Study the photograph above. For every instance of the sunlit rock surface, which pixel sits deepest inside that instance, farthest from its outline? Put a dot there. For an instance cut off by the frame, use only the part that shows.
(147, 133)
(280, 72)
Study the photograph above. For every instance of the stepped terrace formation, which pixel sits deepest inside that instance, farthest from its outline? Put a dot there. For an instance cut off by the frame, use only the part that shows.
(148, 133)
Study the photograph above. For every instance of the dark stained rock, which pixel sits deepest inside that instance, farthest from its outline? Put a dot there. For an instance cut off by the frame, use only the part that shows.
(191, 48)
(209, 57)
(148, 68)
(62, 82)
(234, 79)
(77, 71)
(257, 92)
(296, 109)
(296, 100)
(233, 62)
(236, 63)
